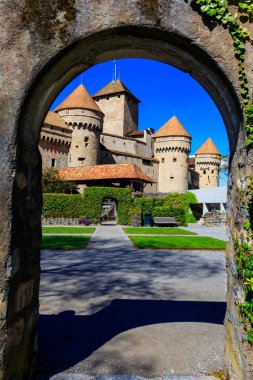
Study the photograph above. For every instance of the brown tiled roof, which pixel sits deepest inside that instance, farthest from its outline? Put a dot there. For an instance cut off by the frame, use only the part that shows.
(173, 127)
(54, 118)
(116, 87)
(105, 172)
(79, 98)
(208, 148)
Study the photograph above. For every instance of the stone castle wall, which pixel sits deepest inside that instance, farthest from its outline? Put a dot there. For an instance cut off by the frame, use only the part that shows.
(130, 115)
(85, 146)
(124, 145)
(208, 168)
(113, 108)
(54, 146)
(172, 153)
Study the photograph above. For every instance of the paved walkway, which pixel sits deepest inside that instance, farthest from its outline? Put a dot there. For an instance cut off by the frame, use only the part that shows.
(215, 232)
(113, 311)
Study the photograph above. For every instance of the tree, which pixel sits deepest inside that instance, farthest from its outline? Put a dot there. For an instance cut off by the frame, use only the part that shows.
(52, 183)
(224, 168)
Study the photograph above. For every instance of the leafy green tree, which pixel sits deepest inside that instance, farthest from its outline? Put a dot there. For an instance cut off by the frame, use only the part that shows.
(52, 183)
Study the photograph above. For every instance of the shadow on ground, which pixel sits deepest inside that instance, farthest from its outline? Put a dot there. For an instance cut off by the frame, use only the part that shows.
(66, 338)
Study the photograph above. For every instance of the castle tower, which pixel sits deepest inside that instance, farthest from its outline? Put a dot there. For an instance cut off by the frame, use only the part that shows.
(120, 107)
(172, 145)
(207, 164)
(80, 112)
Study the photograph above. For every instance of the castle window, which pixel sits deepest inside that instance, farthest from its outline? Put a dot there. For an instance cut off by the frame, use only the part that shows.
(174, 159)
(162, 160)
(212, 171)
(86, 139)
(86, 144)
(81, 158)
(53, 163)
(204, 172)
(107, 98)
(76, 146)
(118, 96)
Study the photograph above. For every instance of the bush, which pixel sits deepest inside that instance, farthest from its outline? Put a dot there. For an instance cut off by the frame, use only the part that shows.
(63, 206)
(84, 221)
(177, 212)
(93, 199)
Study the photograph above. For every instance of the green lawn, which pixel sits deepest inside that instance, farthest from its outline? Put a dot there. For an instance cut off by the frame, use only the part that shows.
(64, 242)
(178, 242)
(68, 230)
(157, 231)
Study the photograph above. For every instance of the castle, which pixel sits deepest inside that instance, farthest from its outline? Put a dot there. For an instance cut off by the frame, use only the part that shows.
(95, 141)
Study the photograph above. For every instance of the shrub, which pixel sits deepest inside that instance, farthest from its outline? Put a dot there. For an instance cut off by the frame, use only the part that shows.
(134, 216)
(147, 205)
(177, 212)
(84, 221)
(52, 183)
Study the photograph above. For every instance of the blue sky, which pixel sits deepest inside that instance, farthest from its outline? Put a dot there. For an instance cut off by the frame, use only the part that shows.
(164, 91)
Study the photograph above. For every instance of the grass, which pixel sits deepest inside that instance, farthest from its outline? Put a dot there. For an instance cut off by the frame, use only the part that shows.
(68, 230)
(157, 231)
(177, 242)
(64, 242)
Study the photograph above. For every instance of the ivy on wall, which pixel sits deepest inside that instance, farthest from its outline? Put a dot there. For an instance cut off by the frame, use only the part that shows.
(218, 11)
(244, 260)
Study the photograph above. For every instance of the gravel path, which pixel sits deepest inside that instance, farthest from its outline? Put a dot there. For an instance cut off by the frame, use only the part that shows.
(115, 312)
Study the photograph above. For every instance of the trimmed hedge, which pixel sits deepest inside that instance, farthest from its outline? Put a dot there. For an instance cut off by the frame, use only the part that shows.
(93, 199)
(145, 204)
(63, 206)
(89, 205)
(183, 201)
(177, 212)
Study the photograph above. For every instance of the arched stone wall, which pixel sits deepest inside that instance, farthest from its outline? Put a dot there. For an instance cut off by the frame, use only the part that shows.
(43, 47)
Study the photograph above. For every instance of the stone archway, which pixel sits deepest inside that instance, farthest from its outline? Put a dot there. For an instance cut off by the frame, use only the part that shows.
(45, 47)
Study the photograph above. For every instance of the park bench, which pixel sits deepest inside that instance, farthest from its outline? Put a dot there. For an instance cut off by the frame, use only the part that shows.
(162, 220)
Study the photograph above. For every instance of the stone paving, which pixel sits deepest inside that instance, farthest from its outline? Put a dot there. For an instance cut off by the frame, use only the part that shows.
(113, 311)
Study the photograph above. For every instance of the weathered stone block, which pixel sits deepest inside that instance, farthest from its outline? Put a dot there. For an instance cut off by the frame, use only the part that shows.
(24, 295)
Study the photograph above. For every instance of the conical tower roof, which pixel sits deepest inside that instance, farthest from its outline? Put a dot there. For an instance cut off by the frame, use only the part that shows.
(114, 87)
(79, 98)
(208, 148)
(173, 127)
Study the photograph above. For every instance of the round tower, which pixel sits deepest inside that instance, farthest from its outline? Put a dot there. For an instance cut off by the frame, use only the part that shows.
(81, 113)
(172, 145)
(207, 165)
